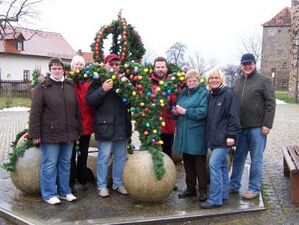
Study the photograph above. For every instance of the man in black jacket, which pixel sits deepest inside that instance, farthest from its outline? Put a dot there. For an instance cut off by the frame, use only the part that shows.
(257, 109)
(112, 127)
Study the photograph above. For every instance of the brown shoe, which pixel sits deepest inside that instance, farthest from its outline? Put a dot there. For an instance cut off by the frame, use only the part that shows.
(250, 195)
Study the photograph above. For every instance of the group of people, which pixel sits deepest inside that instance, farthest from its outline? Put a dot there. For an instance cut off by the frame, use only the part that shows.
(63, 116)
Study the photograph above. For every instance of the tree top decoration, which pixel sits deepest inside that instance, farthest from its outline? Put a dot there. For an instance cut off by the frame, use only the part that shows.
(126, 41)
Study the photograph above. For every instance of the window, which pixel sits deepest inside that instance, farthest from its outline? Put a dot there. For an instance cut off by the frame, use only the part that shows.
(273, 70)
(284, 65)
(26, 75)
(283, 84)
(272, 32)
(20, 45)
(8, 76)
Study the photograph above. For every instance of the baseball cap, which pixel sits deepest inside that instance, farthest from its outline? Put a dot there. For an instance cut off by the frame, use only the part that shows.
(111, 57)
(246, 58)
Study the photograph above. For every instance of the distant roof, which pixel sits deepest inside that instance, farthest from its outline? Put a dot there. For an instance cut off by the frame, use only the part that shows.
(38, 43)
(88, 57)
(282, 19)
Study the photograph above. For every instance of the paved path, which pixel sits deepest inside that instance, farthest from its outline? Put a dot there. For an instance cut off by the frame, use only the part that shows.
(275, 185)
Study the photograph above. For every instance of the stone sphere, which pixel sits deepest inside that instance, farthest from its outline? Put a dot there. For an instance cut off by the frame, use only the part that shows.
(140, 180)
(26, 174)
(176, 157)
(93, 142)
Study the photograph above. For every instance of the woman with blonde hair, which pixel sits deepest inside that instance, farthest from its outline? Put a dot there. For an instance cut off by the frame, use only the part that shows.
(190, 137)
(223, 127)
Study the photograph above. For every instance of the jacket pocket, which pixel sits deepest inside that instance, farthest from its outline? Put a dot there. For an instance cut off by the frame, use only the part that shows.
(105, 128)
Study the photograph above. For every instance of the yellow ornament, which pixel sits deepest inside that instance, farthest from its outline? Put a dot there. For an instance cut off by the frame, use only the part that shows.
(161, 101)
(134, 122)
(141, 104)
(158, 89)
(77, 71)
(71, 73)
(163, 124)
(160, 142)
(182, 78)
(161, 82)
(155, 131)
(134, 93)
(85, 75)
(145, 70)
(113, 77)
(102, 64)
(162, 104)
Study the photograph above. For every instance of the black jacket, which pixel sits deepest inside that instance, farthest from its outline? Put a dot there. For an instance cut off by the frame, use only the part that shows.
(111, 117)
(223, 117)
(256, 99)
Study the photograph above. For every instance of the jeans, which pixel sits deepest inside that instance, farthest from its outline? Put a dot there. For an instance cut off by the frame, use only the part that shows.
(79, 161)
(254, 141)
(119, 148)
(55, 169)
(219, 180)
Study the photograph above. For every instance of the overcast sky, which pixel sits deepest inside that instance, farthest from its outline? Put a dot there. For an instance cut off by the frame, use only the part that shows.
(212, 27)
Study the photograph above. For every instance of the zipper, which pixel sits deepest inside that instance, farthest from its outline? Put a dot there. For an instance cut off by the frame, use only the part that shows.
(242, 93)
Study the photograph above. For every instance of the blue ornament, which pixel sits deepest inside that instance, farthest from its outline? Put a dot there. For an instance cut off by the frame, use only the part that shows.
(87, 72)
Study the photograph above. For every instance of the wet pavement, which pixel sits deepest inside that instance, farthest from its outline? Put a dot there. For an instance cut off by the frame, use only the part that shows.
(91, 209)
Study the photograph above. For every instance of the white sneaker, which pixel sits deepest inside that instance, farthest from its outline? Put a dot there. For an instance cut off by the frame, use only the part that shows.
(121, 189)
(69, 197)
(103, 192)
(53, 201)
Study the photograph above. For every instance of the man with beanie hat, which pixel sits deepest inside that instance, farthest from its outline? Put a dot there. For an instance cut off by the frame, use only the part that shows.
(257, 108)
(112, 128)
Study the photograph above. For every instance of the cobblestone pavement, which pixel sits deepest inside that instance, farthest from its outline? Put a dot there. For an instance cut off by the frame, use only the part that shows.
(276, 187)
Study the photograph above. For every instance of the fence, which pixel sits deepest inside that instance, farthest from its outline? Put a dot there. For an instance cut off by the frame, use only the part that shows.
(15, 88)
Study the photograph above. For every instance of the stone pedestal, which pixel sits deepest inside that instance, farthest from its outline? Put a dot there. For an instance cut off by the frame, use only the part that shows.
(140, 180)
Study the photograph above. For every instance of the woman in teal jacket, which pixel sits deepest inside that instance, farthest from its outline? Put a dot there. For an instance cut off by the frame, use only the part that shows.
(190, 137)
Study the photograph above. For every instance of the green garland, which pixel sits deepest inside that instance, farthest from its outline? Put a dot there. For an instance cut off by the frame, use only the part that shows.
(135, 88)
(16, 153)
(128, 47)
(18, 136)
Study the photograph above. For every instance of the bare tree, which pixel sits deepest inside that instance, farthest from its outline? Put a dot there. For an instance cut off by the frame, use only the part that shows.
(202, 65)
(12, 12)
(231, 73)
(176, 54)
(251, 43)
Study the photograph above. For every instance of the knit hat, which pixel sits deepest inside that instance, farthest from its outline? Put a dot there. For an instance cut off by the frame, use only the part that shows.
(111, 57)
(246, 58)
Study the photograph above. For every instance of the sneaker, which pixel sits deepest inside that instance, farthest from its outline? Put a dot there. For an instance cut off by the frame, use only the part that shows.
(53, 201)
(69, 197)
(250, 195)
(121, 189)
(103, 192)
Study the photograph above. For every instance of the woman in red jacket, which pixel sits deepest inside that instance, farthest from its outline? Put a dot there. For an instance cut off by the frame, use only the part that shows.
(79, 172)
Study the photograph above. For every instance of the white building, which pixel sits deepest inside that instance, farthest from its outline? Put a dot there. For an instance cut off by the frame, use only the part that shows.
(27, 50)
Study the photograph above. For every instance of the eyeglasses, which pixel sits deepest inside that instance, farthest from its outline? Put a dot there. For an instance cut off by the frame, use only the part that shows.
(56, 68)
(247, 63)
(114, 63)
(192, 81)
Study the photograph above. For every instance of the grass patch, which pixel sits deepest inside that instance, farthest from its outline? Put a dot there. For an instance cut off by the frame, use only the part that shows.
(16, 101)
(284, 96)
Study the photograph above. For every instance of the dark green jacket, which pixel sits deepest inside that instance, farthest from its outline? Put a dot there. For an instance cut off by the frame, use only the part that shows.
(257, 100)
(190, 134)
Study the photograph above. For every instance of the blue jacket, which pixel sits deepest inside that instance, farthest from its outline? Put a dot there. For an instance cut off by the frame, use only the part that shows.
(191, 127)
(223, 117)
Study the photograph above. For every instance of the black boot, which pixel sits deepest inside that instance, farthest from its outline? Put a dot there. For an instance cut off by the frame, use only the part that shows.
(187, 193)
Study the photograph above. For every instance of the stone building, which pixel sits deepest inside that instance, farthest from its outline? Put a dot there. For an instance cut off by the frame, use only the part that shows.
(276, 49)
(294, 61)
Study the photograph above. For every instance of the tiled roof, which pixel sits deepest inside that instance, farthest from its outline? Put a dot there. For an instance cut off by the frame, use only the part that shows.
(88, 56)
(39, 43)
(282, 19)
